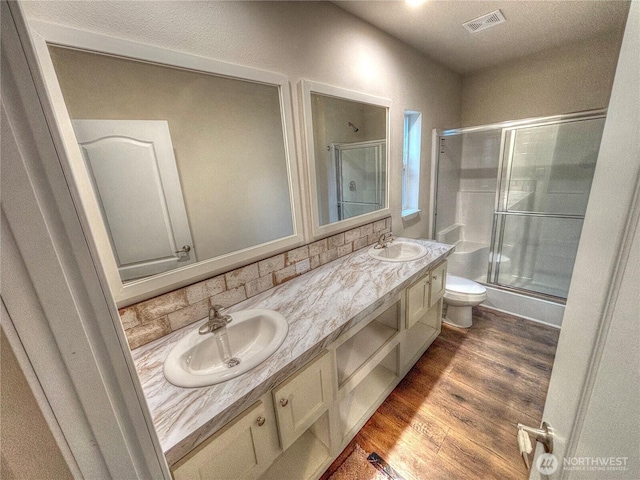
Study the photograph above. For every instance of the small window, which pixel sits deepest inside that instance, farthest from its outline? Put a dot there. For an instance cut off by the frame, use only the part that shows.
(411, 163)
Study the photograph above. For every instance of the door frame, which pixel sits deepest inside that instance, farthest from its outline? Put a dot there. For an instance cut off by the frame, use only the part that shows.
(57, 296)
(592, 313)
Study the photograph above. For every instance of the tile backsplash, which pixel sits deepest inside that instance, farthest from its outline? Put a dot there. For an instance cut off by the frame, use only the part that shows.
(149, 320)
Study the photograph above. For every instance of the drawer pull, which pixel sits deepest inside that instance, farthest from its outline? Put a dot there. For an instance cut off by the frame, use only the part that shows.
(284, 402)
(260, 421)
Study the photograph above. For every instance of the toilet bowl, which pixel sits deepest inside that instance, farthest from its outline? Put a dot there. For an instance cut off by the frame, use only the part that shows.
(460, 295)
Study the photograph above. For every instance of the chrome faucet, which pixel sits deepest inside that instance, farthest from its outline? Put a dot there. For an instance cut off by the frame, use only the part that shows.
(216, 320)
(384, 240)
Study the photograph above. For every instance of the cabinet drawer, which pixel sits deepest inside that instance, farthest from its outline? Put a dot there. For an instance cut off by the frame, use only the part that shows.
(242, 449)
(302, 399)
(438, 282)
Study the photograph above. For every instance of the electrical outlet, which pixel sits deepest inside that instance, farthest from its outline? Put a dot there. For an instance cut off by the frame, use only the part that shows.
(303, 266)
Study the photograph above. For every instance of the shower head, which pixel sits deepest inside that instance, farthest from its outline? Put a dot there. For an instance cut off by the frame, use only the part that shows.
(355, 129)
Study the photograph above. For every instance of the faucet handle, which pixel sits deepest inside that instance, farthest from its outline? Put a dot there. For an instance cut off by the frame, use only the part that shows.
(216, 311)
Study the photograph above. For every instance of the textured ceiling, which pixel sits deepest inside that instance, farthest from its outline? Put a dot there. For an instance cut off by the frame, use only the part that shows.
(435, 27)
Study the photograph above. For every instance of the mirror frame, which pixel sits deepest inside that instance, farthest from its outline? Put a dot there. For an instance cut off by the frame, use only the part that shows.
(308, 87)
(125, 294)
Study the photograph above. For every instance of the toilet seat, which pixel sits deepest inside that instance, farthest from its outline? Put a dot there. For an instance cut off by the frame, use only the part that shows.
(463, 286)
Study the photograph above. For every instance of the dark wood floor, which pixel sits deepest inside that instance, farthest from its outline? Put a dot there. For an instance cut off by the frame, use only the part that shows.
(454, 415)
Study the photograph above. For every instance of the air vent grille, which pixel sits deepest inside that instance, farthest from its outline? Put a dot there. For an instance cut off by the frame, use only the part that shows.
(484, 22)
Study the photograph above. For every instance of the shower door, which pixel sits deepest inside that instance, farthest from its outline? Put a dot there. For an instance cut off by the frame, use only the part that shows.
(545, 180)
(360, 178)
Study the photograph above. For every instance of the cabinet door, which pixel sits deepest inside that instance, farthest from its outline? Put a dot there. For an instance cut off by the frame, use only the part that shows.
(242, 450)
(438, 283)
(302, 399)
(417, 300)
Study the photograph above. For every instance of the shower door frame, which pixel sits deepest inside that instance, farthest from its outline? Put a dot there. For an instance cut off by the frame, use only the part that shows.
(336, 149)
(505, 127)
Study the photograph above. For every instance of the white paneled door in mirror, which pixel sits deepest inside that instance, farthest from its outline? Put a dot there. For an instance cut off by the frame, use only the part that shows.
(347, 150)
(216, 189)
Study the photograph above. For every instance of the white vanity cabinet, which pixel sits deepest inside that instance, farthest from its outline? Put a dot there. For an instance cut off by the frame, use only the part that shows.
(301, 404)
(320, 408)
(302, 399)
(241, 450)
(425, 293)
(424, 313)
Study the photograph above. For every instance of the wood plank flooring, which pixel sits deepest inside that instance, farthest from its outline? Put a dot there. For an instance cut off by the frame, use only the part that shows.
(454, 415)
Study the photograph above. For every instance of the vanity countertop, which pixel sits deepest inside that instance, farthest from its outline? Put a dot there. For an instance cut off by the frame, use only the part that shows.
(319, 306)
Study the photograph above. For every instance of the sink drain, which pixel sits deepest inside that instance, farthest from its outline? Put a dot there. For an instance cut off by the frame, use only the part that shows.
(233, 362)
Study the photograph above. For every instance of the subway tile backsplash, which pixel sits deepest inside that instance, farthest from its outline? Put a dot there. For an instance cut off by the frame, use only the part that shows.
(149, 320)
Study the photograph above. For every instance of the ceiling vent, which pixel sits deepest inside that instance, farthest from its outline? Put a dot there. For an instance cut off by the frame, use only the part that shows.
(484, 22)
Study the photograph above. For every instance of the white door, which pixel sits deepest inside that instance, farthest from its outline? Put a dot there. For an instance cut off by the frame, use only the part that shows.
(134, 173)
(593, 402)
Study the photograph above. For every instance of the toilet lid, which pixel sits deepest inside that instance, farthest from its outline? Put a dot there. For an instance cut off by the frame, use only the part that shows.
(464, 285)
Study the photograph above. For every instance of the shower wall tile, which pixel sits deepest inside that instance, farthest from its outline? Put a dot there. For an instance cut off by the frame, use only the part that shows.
(159, 316)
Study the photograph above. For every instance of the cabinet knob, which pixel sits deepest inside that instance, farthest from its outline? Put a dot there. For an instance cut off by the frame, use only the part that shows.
(435, 277)
(284, 402)
(260, 421)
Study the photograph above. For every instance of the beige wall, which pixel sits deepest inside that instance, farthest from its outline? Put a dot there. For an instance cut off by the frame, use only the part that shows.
(29, 450)
(312, 40)
(226, 134)
(571, 78)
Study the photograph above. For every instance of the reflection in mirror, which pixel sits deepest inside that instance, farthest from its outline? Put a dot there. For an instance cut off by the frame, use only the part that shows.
(350, 157)
(347, 144)
(186, 166)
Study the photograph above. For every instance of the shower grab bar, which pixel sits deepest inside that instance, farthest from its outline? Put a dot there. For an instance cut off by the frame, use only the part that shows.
(538, 214)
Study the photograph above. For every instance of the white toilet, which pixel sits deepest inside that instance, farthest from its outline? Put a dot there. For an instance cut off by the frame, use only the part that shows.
(460, 295)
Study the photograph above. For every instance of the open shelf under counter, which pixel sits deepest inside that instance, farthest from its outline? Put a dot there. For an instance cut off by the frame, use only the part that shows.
(358, 405)
(364, 347)
(353, 353)
(308, 456)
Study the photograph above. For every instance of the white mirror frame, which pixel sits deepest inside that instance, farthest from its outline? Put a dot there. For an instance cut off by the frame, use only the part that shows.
(45, 34)
(308, 87)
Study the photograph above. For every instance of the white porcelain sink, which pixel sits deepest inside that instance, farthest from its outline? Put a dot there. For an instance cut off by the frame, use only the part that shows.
(399, 251)
(254, 335)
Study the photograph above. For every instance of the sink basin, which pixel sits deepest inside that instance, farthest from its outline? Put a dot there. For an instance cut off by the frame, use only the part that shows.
(254, 335)
(399, 251)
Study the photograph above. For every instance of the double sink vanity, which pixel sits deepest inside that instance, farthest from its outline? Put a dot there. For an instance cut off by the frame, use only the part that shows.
(355, 327)
(315, 342)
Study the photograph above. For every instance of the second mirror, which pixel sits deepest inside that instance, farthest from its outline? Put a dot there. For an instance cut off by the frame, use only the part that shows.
(347, 148)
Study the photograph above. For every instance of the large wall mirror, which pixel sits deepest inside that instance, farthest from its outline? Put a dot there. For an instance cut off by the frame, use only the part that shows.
(347, 149)
(184, 165)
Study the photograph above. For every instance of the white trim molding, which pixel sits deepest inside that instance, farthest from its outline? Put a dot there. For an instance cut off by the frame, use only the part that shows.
(58, 300)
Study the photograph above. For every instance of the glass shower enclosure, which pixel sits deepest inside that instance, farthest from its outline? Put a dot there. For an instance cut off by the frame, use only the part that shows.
(522, 192)
(360, 178)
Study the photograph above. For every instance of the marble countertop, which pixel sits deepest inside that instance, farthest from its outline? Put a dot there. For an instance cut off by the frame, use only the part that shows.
(319, 306)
